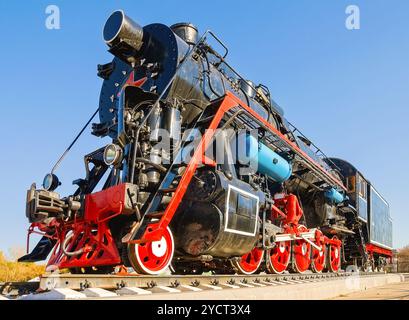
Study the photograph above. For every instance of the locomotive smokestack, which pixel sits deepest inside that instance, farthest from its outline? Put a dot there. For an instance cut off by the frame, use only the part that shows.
(123, 36)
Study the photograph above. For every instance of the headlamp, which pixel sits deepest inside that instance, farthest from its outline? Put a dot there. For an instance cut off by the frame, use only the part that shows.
(50, 182)
(112, 154)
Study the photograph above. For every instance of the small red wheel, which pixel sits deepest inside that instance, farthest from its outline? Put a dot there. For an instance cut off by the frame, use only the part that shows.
(334, 254)
(250, 262)
(318, 257)
(301, 253)
(279, 257)
(152, 257)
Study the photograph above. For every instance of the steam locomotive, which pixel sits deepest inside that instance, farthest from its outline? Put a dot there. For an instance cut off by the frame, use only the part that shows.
(204, 173)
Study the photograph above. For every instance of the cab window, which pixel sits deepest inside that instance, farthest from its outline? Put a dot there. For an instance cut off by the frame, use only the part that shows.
(351, 181)
(362, 188)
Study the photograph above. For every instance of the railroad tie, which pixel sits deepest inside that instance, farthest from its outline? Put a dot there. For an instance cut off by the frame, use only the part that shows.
(164, 289)
(209, 286)
(246, 285)
(292, 281)
(98, 293)
(258, 284)
(231, 286)
(190, 288)
(132, 291)
(267, 283)
(55, 294)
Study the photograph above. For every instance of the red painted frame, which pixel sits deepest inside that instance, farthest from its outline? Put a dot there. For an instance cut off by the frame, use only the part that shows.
(371, 248)
(91, 233)
(102, 206)
(154, 231)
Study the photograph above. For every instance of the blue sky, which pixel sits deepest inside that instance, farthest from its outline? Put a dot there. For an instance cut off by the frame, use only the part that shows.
(347, 90)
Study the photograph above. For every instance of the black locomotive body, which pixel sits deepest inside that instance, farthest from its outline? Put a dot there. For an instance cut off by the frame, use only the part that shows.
(204, 171)
(369, 217)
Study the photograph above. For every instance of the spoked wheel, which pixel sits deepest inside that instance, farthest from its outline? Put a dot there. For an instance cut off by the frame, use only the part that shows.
(152, 257)
(319, 257)
(301, 253)
(278, 257)
(250, 262)
(334, 255)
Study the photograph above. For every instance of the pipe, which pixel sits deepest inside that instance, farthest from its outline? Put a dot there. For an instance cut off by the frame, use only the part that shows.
(65, 244)
(155, 165)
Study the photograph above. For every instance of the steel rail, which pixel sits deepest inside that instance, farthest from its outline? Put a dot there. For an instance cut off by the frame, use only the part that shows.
(114, 283)
(80, 282)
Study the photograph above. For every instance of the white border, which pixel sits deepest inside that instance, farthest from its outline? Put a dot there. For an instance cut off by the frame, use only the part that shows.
(362, 219)
(362, 198)
(227, 211)
(120, 27)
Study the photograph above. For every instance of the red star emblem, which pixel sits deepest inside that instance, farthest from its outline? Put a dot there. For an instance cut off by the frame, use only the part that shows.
(135, 83)
(132, 82)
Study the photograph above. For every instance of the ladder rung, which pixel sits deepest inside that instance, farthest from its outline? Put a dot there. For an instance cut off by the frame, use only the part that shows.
(179, 165)
(167, 190)
(155, 214)
(207, 119)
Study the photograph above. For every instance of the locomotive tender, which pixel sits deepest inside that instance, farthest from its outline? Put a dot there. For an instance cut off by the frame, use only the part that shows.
(204, 173)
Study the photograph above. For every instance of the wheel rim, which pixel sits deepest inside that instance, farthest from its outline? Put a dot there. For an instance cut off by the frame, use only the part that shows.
(334, 256)
(318, 257)
(249, 262)
(279, 257)
(153, 257)
(302, 253)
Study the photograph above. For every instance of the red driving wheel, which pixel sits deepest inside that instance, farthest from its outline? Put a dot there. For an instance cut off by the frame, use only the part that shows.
(318, 256)
(250, 262)
(152, 257)
(279, 257)
(301, 253)
(334, 254)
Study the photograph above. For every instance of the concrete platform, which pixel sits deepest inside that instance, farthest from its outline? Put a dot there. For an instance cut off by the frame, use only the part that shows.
(394, 291)
(303, 291)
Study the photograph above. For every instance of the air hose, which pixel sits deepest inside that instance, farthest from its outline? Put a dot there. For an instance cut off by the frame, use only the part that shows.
(65, 245)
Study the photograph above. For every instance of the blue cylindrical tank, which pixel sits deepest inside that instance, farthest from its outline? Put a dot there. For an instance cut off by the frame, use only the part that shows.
(267, 161)
(334, 196)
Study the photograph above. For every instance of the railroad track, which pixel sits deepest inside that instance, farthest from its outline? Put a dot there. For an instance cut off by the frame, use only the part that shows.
(69, 286)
